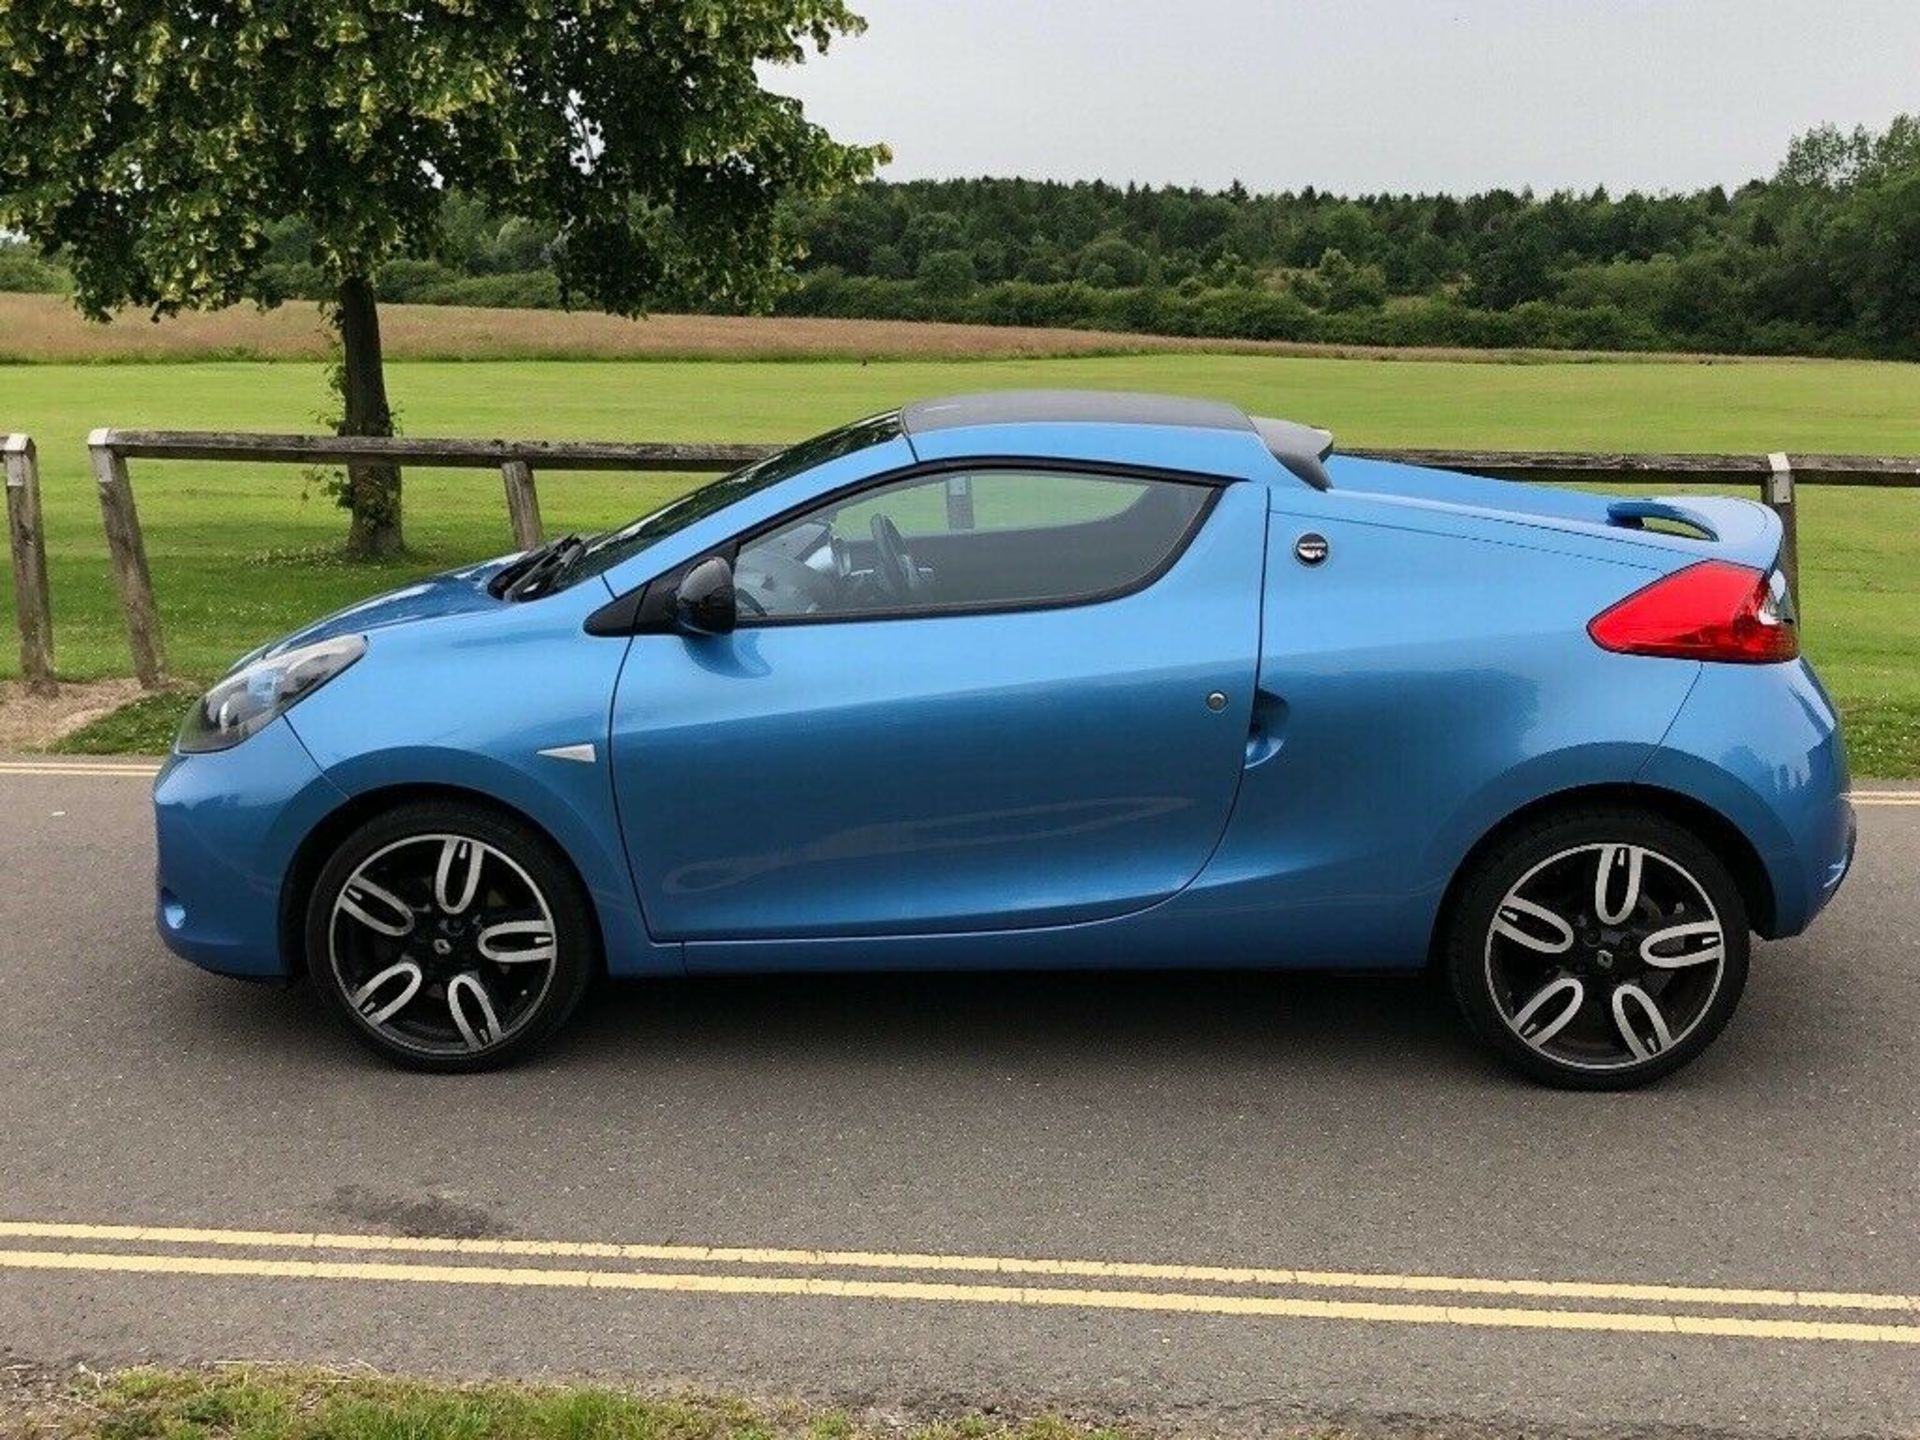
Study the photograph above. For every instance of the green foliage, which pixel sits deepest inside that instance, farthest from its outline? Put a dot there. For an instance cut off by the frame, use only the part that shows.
(1824, 258)
(165, 148)
(21, 269)
(1111, 262)
(402, 140)
(1348, 286)
(946, 275)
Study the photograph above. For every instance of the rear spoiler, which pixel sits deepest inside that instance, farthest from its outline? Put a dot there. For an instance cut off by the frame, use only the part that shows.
(1742, 531)
(1301, 448)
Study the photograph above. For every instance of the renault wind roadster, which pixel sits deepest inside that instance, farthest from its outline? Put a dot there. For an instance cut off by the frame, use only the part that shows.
(1039, 679)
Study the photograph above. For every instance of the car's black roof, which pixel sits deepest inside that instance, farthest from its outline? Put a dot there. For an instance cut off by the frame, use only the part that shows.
(1044, 407)
(1301, 448)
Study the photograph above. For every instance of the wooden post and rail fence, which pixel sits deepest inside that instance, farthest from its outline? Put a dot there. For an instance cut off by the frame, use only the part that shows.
(517, 461)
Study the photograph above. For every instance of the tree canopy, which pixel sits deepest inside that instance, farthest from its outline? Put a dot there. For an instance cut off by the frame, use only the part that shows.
(1823, 257)
(156, 147)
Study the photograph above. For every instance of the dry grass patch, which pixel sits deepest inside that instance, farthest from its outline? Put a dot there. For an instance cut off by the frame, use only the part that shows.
(33, 722)
(45, 329)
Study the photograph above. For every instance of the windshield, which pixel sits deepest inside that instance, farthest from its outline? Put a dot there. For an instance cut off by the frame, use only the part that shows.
(604, 552)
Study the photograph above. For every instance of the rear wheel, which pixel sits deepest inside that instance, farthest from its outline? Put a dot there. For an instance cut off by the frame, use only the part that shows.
(1598, 949)
(449, 937)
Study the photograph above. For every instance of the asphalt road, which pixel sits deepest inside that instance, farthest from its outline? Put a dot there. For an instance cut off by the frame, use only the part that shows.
(1253, 1133)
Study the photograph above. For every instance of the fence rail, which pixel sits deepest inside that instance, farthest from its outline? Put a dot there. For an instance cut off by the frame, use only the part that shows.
(458, 454)
(517, 462)
(647, 455)
(1893, 471)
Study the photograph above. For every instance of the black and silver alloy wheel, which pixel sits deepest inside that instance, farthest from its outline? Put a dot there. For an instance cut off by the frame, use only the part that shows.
(1605, 949)
(1605, 955)
(450, 944)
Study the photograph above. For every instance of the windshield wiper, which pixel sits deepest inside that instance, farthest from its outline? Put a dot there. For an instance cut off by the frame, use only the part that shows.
(536, 572)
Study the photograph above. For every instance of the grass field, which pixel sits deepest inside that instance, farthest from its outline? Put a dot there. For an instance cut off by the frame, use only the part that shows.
(241, 553)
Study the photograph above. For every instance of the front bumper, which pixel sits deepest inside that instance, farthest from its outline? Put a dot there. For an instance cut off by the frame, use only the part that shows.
(227, 826)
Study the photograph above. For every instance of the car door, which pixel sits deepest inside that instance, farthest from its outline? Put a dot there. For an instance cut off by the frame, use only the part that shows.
(1041, 720)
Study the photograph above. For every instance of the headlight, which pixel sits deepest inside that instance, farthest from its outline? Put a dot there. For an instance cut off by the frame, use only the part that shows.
(248, 699)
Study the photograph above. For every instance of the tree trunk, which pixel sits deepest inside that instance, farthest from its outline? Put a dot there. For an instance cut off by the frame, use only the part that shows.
(373, 491)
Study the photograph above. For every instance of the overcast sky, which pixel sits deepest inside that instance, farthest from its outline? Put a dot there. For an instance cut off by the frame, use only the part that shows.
(1361, 95)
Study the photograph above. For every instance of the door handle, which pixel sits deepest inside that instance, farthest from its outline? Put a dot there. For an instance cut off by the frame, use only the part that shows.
(1266, 731)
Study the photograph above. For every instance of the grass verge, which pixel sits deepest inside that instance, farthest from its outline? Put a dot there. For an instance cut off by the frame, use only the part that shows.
(1883, 738)
(142, 727)
(270, 1404)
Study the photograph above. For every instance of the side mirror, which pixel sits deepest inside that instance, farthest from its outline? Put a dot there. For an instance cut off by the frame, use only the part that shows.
(704, 602)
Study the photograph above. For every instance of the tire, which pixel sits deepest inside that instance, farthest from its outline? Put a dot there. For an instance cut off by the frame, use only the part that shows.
(449, 937)
(1588, 985)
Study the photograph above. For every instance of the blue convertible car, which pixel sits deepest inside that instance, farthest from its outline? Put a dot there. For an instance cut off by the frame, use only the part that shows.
(1039, 679)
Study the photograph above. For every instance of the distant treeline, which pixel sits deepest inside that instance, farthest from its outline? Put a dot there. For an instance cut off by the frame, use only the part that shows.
(1823, 258)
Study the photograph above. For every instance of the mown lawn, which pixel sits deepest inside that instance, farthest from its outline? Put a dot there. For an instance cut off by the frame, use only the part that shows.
(241, 553)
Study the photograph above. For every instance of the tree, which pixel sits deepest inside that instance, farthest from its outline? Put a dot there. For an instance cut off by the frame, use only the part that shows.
(946, 275)
(152, 144)
(1513, 264)
(1111, 261)
(932, 231)
(1875, 249)
(1350, 286)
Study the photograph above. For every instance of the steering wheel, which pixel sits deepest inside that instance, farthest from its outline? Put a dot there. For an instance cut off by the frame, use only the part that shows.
(899, 576)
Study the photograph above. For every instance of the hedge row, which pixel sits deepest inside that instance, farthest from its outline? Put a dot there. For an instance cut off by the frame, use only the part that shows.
(1243, 314)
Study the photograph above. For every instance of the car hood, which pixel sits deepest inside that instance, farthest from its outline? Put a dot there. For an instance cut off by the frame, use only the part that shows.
(455, 592)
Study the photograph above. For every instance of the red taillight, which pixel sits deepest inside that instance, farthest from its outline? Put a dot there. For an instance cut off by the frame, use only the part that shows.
(1710, 611)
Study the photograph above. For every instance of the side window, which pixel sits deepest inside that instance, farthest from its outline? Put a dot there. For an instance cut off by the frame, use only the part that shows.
(997, 539)
(997, 500)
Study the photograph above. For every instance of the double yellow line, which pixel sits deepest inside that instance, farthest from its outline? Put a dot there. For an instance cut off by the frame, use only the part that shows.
(131, 769)
(1248, 1292)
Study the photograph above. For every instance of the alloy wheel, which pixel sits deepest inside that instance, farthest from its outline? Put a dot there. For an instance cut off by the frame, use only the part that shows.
(1605, 956)
(442, 944)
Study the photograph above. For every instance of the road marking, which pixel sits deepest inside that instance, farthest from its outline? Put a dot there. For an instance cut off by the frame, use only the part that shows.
(1379, 1312)
(141, 770)
(992, 1264)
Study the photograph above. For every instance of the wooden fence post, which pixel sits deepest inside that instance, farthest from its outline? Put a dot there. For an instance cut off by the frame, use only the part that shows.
(27, 538)
(959, 502)
(128, 553)
(1780, 498)
(523, 504)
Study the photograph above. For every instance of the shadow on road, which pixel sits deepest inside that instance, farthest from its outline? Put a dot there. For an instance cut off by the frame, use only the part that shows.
(1128, 1014)
(1392, 1022)
(1393, 1025)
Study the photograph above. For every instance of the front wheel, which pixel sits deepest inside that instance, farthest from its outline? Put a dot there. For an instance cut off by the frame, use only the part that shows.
(449, 937)
(1598, 949)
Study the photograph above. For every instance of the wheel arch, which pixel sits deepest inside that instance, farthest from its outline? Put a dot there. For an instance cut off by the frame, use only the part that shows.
(325, 836)
(1714, 829)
